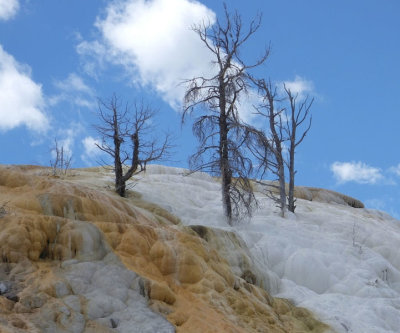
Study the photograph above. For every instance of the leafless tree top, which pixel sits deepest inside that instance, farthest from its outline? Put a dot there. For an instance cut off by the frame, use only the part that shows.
(225, 41)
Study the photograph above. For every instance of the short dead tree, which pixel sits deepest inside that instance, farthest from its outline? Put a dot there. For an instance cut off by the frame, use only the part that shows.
(126, 138)
(61, 162)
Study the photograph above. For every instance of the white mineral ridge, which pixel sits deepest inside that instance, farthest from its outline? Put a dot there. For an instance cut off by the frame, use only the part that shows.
(111, 292)
(340, 262)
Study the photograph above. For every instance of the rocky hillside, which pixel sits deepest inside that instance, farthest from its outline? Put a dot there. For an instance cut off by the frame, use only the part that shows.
(333, 256)
(75, 257)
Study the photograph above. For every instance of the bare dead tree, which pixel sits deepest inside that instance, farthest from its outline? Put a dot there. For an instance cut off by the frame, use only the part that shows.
(219, 130)
(284, 118)
(62, 159)
(298, 114)
(263, 145)
(125, 137)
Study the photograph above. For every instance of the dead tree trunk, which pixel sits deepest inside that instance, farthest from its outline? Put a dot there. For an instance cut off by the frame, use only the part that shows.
(220, 131)
(298, 114)
(267, 110)
(275, 126)
(120, 186)
(226, 173)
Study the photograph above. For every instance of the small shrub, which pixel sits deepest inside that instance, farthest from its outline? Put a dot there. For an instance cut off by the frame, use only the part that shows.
(3, 209)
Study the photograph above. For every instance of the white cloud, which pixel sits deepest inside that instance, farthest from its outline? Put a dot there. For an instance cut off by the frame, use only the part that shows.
(89, 144)
(73, 89)
(94, 55)
(299, 86)
(395, 170)
(74, 83)
(8, 9)
(21, 99)
(153, 40)
(358, 172)
(246, 105)
(91, 152)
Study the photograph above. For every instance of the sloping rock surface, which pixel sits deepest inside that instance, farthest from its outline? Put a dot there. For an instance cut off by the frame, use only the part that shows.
(75, 257)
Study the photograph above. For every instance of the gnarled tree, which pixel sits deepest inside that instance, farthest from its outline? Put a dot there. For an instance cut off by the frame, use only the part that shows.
(125, 137)
(216, 97)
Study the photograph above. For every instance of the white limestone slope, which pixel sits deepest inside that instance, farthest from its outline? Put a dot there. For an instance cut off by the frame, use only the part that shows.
(341, 262)
(112, 298)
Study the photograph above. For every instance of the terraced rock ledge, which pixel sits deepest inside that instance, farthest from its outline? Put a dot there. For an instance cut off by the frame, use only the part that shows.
(75, 257)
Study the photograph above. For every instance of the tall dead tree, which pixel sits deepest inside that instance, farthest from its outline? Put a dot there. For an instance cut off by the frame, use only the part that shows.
(218, 128)
(284, 119)
(263, 144)
(125, 137)
(298, 113)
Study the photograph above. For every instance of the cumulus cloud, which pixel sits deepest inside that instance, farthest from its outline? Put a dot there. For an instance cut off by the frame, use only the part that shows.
(74, 90)
(153, 40)
(358, 172)
(8, 9)
(21, 99)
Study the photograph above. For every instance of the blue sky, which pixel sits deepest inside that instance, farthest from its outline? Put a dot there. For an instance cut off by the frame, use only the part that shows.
(58, 57)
